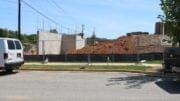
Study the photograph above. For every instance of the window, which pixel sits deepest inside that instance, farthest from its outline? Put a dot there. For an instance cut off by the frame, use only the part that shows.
(10, 44)
(18, 45)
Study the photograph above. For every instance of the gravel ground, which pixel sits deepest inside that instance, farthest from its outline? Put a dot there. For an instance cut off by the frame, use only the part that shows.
(86, 86)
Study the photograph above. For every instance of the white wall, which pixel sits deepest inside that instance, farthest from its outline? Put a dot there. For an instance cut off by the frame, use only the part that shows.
(68, 43)
(52, 43)
(80, 42)
(49, 43)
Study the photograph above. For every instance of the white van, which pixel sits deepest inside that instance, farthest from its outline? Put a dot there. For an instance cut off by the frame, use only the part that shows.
(11, 54)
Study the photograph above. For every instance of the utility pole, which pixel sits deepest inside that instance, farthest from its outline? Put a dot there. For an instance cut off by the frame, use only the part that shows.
(19, 19)
(82, 33)
(83, 28)
(94, 36)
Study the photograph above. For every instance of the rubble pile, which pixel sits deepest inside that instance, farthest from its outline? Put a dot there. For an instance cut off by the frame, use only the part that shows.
(143, 43)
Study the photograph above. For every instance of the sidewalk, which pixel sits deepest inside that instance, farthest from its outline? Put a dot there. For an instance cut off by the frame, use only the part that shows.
(96, 64)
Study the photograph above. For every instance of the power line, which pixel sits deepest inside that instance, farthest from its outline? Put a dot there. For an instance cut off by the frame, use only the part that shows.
(52, 4)
(42, 14)
(48, 18)
(15, 3)
(59, 12)
(58, 6)
(39, 12)
(62, 9)
(10, 1)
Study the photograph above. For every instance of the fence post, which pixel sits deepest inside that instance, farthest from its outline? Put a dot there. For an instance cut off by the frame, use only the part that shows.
(65, 58)
(137, 49)
(89, 59)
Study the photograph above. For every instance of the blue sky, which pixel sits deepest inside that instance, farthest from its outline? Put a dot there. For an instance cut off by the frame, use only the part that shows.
(110, 18)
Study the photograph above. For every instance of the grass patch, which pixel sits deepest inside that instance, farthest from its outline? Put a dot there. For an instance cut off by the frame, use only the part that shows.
(84, 68)
(155, 61)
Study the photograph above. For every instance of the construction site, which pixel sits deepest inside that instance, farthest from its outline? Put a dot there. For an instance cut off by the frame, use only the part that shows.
(134, 46)
(130, 44)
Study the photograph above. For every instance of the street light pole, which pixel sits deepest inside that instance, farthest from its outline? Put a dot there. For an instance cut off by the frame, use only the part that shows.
(19, 19)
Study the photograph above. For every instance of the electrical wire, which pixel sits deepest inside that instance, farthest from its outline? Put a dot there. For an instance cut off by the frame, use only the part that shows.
(10, 1)
(48, 18)
(37, 11)
(42, 14)
(62, 9)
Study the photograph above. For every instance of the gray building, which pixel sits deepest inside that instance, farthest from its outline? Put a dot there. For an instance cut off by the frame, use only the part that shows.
(158, 28)
(53, 43)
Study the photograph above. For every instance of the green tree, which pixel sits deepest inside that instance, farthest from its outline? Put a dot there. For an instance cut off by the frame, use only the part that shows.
(7, 33)
(2, 33)
(171, 19)
(30, 39)
(53, 31)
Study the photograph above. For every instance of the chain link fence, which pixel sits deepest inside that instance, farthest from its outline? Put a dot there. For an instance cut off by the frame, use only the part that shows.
(94, 57)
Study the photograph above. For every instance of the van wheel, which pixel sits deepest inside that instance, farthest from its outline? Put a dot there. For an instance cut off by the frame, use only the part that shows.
(16, 70)
(9, 70)
(167, 69)
(177, 76)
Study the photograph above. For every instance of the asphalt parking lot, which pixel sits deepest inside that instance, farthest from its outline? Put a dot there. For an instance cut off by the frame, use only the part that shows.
(86, 86)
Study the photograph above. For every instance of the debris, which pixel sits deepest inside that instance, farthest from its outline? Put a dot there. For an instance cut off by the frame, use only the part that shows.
(130, 44)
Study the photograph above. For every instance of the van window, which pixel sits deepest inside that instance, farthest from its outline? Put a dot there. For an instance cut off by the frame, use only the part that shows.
(10, 44)
(18, 45)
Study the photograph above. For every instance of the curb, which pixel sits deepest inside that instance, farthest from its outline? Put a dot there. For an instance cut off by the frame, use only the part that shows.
(152, 74)
(158, 74)
(87, 70)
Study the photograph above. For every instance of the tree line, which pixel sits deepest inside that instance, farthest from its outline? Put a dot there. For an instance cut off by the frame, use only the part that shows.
(171, 19)
(25, 38)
